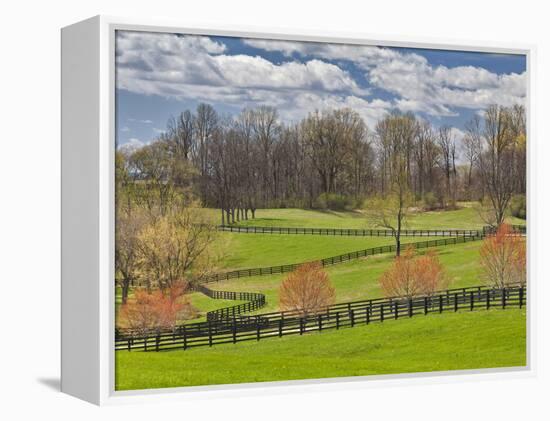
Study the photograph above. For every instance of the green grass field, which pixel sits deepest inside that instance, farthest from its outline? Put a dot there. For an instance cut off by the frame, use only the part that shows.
(358, 279)
(464, 218)
(465, 340)
(453, 341)
(261, 250)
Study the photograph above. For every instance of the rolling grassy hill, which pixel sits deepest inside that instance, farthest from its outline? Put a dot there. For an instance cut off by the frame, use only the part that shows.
(358, 279)
(452, 341)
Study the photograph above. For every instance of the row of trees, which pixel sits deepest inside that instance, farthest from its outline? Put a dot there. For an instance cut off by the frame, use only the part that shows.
(308, 289)
(252, 160)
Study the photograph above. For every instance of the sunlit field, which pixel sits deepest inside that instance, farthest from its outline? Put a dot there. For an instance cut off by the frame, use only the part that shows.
(466, 217)
(453, 341)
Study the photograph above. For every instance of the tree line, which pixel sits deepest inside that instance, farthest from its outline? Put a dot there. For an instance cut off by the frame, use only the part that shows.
(331, 159)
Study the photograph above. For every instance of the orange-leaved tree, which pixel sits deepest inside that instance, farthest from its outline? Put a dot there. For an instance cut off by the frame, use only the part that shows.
(307, 290)
(410, 275)
(520, 263)
(147, 311)
(503, 258)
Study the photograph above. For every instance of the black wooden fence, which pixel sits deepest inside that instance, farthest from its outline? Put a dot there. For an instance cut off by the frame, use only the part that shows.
(254, 300)
(333, 260)
(516, 229)
(352, 232)
(338, 316)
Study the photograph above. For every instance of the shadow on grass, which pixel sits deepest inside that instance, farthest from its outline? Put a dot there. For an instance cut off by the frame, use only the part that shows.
(339, 214)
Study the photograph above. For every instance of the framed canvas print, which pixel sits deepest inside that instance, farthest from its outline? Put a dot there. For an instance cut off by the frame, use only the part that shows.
(246, 208)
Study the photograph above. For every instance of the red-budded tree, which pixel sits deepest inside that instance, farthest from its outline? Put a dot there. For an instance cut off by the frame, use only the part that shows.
(307, 290)
(410, 276)
(503, 258)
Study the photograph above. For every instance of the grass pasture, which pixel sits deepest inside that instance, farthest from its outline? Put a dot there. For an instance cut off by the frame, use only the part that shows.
(437, 342)
(262, 250)
(358, 279)
(452, 341)
(466, 217)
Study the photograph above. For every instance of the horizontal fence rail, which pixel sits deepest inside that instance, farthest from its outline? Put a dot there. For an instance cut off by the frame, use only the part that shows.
(354, 232)
(333, 260)
(338, 316)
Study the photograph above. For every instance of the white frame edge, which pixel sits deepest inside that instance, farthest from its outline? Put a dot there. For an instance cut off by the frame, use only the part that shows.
(88, 100)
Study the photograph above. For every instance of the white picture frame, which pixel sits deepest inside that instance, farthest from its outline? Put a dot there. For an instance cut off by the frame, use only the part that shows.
(88, 136)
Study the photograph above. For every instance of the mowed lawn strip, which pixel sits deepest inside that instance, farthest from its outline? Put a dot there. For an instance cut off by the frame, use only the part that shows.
(263, 250)
(449, 341)
(358, 279)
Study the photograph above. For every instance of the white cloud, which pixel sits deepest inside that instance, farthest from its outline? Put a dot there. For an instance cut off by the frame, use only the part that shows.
(366, 56)
(199, 68)
(131, 145)
(177, 66)
(304, 103)
(418, 86)
(135, 120)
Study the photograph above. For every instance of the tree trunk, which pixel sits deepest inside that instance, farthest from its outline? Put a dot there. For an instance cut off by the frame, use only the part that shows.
(398, 235)
(125, 290)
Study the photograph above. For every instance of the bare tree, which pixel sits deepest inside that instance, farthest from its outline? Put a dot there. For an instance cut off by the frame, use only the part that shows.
(448, 158)
(204, 125)
(390, 211)
(472, 145)
(495, 160)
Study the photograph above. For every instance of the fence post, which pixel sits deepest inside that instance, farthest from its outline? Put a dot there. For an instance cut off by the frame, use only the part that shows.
(396, 310)
(471, 300)
(184, 330)
(425, 305)
(410, 307)
(488, 299)
(337, 320)
(352, 317)
(456, 302)
(367, 314)
(209, 334)
(129, 344)
(234, 328)
(503, 298)
(301, 325)
(381, 312)
(320, 321)
(521, 297)
(157, 342)
(280, 327)
(440, 303)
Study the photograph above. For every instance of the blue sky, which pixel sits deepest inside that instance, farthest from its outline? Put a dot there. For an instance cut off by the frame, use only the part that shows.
(161, 75)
